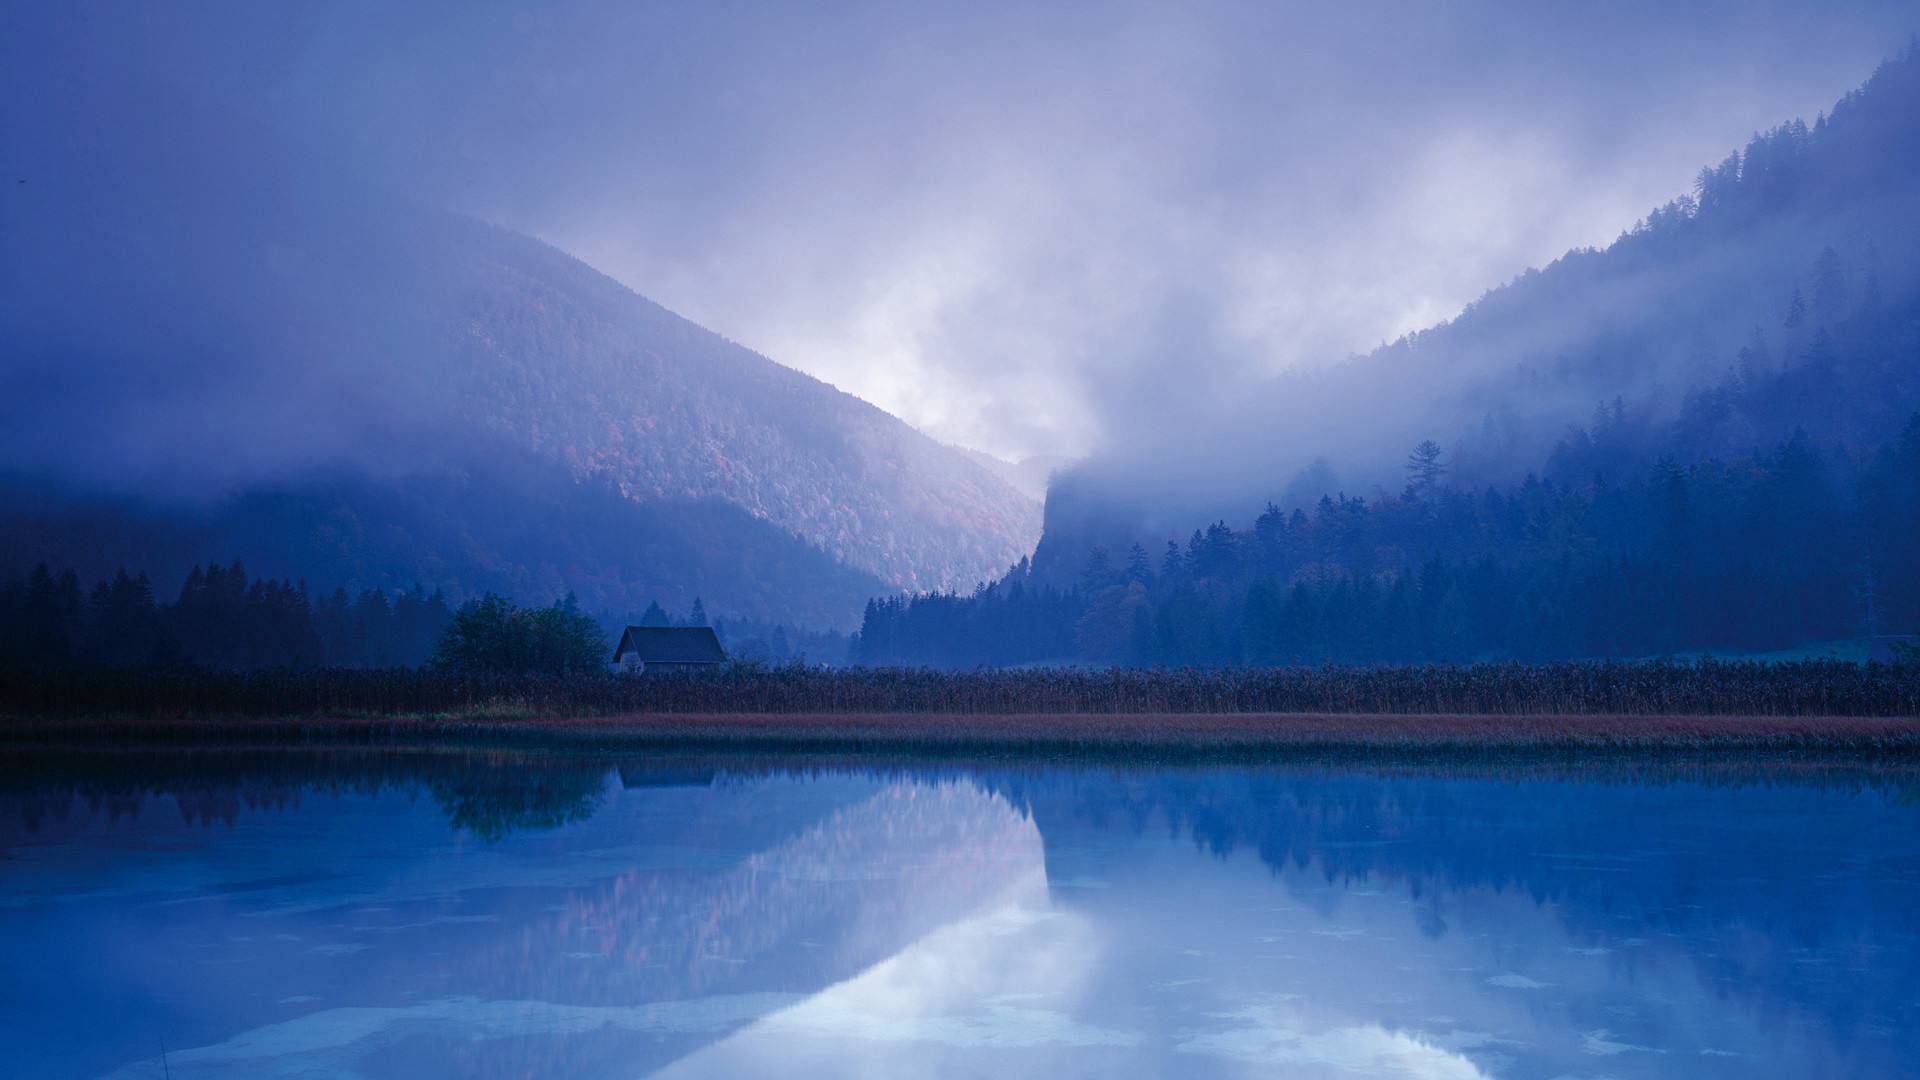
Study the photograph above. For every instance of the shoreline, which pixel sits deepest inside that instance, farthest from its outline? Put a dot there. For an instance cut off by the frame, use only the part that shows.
(1144, 736)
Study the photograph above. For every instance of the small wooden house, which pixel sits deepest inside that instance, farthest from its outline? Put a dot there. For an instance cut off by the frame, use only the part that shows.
(668, 648)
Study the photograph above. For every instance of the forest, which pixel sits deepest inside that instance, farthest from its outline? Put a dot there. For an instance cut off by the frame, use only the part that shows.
(222, 620)
(1636, 538)
(1746, 482)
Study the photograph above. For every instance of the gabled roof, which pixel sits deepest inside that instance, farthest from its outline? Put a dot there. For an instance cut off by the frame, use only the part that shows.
(671, 645)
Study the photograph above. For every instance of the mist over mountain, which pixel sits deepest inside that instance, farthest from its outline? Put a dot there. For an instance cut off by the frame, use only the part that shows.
(203, 322)
(242, 320)
(1820, 211)
(1704, 437)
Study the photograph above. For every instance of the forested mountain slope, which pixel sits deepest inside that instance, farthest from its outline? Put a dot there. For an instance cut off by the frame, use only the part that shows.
(202, 323)
(567, 362)
(1804, 228)
(1744, 473)
(516, 525)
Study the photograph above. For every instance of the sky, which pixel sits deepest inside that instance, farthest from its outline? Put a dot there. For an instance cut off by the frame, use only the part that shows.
(1018, 227)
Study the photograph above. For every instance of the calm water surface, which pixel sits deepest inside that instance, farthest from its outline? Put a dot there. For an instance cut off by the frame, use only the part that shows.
(450, 914)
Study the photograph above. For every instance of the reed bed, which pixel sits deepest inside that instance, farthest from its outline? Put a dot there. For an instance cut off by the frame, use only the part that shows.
(1658, 689)
(1137, 737)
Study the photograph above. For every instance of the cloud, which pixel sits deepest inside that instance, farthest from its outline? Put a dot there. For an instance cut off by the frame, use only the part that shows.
(1271, 1035)
(1017, 226)
(1006, 978)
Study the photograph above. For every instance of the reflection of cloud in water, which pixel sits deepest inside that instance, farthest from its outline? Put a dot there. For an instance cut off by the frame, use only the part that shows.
(1512, 981)
(910, 923)
(1603, 1043)
(1272, 1034)
(1005, 980)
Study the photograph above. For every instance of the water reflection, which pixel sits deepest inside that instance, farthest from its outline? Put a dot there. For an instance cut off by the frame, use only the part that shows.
(508, 914)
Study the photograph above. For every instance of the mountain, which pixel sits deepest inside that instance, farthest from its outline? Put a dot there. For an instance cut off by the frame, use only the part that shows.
(571, 365)
(203, 323)
(1671, 306)
(1704, 438)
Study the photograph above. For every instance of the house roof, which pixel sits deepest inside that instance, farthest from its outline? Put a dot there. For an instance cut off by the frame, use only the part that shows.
(671, 645)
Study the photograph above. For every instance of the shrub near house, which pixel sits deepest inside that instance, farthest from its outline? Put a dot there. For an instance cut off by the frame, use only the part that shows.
(492, 634)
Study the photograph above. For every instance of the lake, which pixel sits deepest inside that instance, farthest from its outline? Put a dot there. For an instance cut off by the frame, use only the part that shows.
(247, 913)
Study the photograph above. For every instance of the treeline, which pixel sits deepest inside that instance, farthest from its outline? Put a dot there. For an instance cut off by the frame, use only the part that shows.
(224, 620)
(220, 619)
(1808, 541)
(1819, 688)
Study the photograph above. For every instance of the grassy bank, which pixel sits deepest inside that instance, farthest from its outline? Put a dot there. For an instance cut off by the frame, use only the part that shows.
(1658, 689)
(1148, 735)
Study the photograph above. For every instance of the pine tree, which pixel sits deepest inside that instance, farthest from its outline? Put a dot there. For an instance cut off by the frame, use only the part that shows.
(1829, 287)
(1424, 469)
(1098, 573)
(1171, 563)
(1796, 311)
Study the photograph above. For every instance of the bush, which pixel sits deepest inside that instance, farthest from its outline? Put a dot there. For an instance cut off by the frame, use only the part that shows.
(494, 635)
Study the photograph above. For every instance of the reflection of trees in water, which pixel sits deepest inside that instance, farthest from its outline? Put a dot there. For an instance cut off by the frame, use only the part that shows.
(882, 863)
(1747, 873)
(826, 903)
(1748, 868)
(490, 794)
(492, 803)
(841, 893)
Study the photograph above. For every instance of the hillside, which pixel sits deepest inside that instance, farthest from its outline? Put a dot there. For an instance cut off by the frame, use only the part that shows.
(1805, 226)
(1705, 437)
(195, 341)
(561, 359)
(515, 525)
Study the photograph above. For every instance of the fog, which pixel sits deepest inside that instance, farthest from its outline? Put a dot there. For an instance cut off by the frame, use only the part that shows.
(1021, 229)
(1143, 236)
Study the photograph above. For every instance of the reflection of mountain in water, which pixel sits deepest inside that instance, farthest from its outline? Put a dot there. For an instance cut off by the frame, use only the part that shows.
(1652, 855)
(841, 895)
(722, 918)
(862, 881)
(677, 907)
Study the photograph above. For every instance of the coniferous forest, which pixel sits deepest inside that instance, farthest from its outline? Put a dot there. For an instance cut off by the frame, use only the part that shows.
(1769, 501)
(220, 619)
(1752, 498)
(1807, 541)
